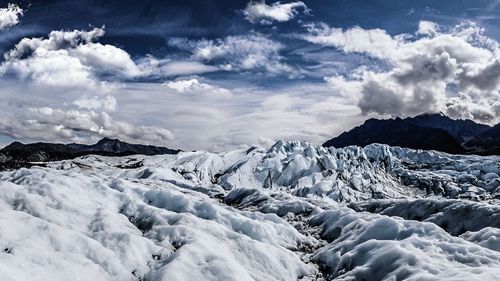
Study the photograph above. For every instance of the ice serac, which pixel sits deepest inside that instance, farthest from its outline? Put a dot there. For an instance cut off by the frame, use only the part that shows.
(303, 170)
(292, 211)
(354, 173)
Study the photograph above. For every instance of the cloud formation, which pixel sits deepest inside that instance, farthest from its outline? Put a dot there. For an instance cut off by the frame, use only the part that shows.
(75, 58)
(68, 58)
(190, 113)
(107, 103)
(49, 124)
(194, 86)
(34, 112)
(260, 12)
(238, 53)
(216, 92)
(457, 71)
(10, 16)
(168, 68)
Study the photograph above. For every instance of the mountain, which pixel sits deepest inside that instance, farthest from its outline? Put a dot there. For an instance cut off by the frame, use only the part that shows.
(398, 132)
(487, 143)
(37, 152)
(20, 155)
(434, 131)
(461, 130)
(115, 146)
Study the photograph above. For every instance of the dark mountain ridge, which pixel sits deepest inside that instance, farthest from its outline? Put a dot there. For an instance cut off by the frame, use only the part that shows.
(116, 146)
(486, 143)
(18, 154)
(432, 131)
(398, 132)
(462, 130)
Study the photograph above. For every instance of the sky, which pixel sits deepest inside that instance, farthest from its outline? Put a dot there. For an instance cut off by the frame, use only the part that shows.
(218, 75)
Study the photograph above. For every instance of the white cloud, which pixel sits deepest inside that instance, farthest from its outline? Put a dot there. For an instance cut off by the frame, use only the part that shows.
(423, 74)
(377, 42)
(176, 68)
(57, 40)
(346, 88)
(196, 111)
(107, 103)
(10, 16)
(260, 12)
(55, 68)
(107, 60)
(52, 124)
(202, 121)
(236, 53)
(466, 108)
(71, 58)
(193, 86)
(454, 71)
(427, 28)
(75, 58)
(183, 85)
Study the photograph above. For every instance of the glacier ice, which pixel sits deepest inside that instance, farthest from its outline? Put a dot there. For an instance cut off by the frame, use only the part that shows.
(289, 212)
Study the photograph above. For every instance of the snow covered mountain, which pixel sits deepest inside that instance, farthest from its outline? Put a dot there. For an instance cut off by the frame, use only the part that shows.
(289, 212)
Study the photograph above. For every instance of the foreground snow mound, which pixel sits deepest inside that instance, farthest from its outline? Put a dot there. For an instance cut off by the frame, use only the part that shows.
(57, 223)
(292, 211)
(454, 216)
(364, 246)
(373, 247)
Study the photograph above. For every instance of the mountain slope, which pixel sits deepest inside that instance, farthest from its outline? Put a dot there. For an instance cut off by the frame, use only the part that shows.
(487, 143)
(115, 146)
(398, 132)
(461, 130)
(18, 155)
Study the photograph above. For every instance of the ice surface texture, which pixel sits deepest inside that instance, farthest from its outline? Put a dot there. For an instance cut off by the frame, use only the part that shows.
(289, 212)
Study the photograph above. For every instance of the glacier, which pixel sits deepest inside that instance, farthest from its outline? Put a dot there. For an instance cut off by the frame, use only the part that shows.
(293, 211)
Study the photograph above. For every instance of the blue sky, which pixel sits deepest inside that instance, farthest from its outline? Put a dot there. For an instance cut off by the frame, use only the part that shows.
(223, 74)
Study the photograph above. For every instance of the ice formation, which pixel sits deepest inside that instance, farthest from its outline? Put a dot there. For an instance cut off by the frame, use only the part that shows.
(290, 212)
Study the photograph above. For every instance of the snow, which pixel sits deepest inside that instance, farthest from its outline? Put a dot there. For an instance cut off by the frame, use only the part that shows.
(454, 216)
(288, 212)
(373, 247)
(106, 228)
(488, 237)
